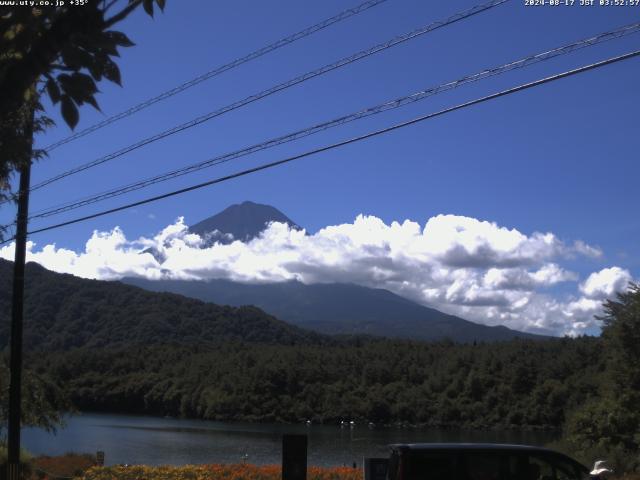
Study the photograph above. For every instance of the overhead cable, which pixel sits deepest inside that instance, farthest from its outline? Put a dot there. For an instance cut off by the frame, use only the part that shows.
(218, 70)
(397, 126)
(389, 105)
(277, 88)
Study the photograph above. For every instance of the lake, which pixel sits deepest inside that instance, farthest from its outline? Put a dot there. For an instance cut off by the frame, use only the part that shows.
(156, 441)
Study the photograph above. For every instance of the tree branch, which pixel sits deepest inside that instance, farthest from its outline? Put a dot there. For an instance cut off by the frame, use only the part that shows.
(124, 13)
(107, 6)
(59, 66)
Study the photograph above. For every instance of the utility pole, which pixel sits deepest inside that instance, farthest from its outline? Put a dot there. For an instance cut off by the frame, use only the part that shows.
(17, 312)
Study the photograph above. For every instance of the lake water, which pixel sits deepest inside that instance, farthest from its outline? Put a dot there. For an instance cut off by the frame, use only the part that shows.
(157, 441)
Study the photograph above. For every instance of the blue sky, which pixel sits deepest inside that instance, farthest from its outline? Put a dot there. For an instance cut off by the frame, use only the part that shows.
(560, 158)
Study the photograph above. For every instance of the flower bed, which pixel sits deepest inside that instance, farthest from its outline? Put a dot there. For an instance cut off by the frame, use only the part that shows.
(214, 472)
(62, 466)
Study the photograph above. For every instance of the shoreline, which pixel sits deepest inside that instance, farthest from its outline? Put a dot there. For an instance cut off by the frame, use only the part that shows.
(358, 424)
(152, 440)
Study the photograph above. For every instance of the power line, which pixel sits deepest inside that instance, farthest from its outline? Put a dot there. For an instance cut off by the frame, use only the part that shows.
(346, 142)
(396, 103)
(218, 70)
(5, 228)
(277, 88)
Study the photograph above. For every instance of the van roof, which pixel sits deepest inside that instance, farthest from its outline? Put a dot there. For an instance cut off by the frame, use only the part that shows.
(466, 446)
(422, 447)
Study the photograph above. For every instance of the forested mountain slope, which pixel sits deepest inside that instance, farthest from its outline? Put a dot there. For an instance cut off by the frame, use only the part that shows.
(63, 311)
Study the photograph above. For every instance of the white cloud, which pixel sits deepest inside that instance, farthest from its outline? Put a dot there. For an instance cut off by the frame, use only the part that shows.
(461, 265)
(606, 282)
(587, 250)
(521, 279)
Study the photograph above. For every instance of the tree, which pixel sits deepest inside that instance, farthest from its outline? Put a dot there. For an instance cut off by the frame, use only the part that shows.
(63, 51)
(621, 332)
(609, 425)
(44, 402)
(58, 51)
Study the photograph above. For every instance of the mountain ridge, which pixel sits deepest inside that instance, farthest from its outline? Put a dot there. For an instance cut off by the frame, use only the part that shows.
(330, 308)
(338, 308)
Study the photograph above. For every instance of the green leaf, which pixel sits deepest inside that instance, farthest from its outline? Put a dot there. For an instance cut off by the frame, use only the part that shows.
(119, 38)
(64, 80)
(91, 100)
(84, 83)
(107, 44)
(70, 88)
(70, 57)
(80, 87)
(87, 41)
(96, 68)
(53, 91)
(75, 57)
(69, 111)
(148, 7)
(111, 71)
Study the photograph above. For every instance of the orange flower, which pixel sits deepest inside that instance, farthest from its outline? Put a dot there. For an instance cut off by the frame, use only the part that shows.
(214, 472)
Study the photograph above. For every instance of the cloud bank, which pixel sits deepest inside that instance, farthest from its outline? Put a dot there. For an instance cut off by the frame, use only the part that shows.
(472, 268)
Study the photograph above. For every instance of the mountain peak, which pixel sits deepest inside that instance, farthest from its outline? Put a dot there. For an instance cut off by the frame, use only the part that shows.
(243, 221)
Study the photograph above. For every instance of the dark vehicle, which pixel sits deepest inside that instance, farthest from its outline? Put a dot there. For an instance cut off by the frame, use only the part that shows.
(460, 461)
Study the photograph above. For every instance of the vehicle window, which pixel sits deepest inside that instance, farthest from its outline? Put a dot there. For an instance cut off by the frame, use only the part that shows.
(429, 466)
(392, 471)
(563, 469)
(517, 467)
(540, 467)
(482, 466)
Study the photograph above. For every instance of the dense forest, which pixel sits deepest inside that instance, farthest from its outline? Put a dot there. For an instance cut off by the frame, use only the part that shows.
(520, 383)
